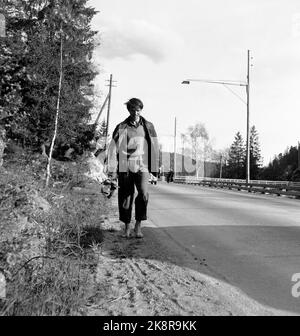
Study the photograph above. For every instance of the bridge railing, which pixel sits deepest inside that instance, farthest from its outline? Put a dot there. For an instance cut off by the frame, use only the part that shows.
(265, 187)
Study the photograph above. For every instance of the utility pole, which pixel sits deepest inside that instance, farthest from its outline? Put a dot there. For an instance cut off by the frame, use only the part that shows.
(108, 110)
(235, 83)
(101, 110)
(298, 154)
(248, 124)
(175, 133)
(109, 101)
(221, 166)
(182, 152)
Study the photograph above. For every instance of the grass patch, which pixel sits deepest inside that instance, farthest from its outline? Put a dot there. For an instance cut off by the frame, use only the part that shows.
(50, 241)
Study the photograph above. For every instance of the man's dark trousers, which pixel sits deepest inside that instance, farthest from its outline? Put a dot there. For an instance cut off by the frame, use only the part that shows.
(127, 181)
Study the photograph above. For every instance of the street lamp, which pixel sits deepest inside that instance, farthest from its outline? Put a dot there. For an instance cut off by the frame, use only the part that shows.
(235, 83)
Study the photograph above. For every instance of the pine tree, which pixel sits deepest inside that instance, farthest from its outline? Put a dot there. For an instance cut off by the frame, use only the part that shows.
(12, 68)
(236, 158)
(30, 68)
(255, 156)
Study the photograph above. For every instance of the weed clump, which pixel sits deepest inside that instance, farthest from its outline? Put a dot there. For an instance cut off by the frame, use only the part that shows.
(50, 240)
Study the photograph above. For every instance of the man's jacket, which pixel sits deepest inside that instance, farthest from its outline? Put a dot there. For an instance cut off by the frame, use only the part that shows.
(152, 141)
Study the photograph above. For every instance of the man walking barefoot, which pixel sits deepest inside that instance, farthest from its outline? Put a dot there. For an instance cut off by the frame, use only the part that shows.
(133, 154)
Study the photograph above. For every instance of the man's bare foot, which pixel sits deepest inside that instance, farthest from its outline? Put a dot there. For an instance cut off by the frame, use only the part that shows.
(127, 231)
(137, 230)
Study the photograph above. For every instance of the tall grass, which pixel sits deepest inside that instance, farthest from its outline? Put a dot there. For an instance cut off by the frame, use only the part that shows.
(49, 264)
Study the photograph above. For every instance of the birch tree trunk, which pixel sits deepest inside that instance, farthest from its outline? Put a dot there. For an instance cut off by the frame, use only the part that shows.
(48, 175)
(2, 144)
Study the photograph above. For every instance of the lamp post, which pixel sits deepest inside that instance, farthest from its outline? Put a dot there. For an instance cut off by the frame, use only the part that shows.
(235, 83)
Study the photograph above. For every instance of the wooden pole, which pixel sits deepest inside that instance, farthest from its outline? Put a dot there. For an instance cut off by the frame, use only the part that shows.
(101, 110)
(248, 123)
(298, 154)
(221, 161)
(108, 110)
(175, 134)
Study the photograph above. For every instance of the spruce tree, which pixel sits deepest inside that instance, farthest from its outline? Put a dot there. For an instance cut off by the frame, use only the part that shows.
(30, 64)
(236, 158)
(255, 155)
(13, 75)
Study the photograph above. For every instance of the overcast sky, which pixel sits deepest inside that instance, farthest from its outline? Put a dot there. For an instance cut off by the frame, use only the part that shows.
(151, 46)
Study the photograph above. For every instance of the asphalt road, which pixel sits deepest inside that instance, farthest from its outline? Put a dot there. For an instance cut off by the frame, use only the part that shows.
(251, 241)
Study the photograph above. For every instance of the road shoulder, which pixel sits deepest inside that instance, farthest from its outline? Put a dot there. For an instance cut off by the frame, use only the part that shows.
(142, 277)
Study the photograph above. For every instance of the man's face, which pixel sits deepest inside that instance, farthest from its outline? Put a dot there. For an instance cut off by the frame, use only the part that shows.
(134, 111)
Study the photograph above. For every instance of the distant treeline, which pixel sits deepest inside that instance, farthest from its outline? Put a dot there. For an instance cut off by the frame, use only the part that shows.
(204, 161)
(284, 167)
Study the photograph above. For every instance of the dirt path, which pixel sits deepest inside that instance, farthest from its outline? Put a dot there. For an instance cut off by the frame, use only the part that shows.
(140, 277)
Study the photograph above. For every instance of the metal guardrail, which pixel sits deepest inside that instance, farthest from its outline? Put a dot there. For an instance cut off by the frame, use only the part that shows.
(263, 187)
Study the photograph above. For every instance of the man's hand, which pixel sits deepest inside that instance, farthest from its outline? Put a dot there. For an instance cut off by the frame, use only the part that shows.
(112, 176)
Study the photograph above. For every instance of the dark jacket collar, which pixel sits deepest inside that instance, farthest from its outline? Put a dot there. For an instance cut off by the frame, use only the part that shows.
(130, 123)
